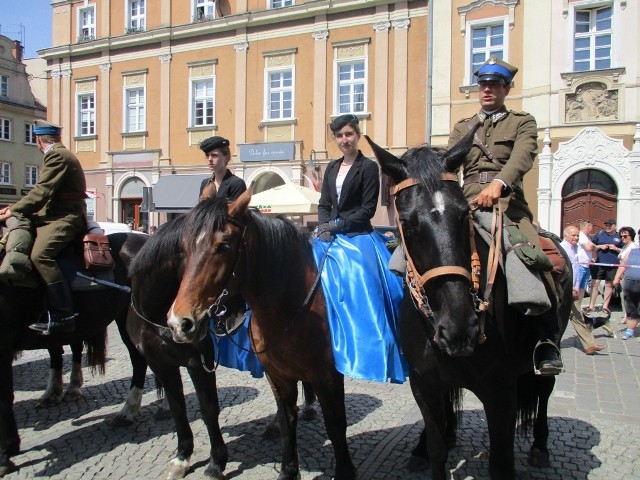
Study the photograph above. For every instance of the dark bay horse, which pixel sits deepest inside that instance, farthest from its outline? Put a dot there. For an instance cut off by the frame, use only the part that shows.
(230, 249)
(441, 341)
(20, 306)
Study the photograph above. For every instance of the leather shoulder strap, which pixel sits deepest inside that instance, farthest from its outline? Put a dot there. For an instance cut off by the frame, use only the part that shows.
(482, 146)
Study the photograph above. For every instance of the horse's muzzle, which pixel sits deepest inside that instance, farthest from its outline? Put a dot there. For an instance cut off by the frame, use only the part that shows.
(185, 329)
(458, 341)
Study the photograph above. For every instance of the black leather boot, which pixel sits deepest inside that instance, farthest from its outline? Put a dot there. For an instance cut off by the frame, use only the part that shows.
(61, 318)
(546, 354)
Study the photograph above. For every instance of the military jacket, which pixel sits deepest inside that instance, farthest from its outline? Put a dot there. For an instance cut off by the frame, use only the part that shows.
(512, 140)
(60, 190)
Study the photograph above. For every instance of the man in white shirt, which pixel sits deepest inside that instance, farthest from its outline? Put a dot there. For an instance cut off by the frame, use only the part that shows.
(570, 245)
(585, 249)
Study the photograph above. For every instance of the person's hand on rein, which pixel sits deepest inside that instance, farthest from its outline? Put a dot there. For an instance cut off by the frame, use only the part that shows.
(327, 231)
(489, 195)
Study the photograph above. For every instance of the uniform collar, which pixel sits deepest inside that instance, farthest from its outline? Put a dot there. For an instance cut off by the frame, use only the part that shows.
(495, 116)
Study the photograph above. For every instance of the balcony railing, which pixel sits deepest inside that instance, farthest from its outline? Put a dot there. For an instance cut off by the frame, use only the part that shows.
(85, 38)
(203, 18)
(130, 30)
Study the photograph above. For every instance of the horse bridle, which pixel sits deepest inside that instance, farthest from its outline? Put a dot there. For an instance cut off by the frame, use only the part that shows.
(416, 281)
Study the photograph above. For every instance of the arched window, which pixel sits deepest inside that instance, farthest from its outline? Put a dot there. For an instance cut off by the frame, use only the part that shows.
(266, 181)
(589, 179)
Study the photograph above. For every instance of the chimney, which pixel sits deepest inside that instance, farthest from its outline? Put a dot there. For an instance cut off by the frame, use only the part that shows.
(18, 50)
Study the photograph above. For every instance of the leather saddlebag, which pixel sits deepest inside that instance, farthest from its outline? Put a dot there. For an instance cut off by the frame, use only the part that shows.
(97, 253)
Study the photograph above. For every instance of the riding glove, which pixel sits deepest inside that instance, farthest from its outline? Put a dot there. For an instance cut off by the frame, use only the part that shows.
(327, 231)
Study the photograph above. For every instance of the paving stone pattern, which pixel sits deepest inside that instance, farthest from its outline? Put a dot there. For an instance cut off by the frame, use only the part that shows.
(594, 423)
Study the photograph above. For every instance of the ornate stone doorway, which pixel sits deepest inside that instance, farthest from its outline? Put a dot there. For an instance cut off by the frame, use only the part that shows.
(589, 195)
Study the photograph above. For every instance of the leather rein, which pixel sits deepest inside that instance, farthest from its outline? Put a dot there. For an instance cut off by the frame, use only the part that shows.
(416, 282)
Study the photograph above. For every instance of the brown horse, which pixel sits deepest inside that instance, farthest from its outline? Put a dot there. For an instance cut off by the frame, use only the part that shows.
(230, 249)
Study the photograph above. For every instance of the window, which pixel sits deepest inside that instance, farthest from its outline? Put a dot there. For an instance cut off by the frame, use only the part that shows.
(279, 94)
(202, 102)
(30, 175)
(86, 115)
(351, 89)
(486, 40)
(4, 86)
(87, 24)
(135, 110)
(204, 10)
(136, 20)
(29, 136)
(281, 3)
(5, 173)
(5, 129)
(592, 39)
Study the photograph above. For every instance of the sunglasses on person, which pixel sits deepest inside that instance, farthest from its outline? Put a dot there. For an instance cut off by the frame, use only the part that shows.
(625, 236)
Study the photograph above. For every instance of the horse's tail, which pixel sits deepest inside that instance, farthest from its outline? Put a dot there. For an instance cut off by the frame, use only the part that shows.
(97, 352)
(530, 397)
(455, 398)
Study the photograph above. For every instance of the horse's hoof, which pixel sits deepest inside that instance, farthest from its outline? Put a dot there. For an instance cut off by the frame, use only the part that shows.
(417, 464)
(7, 468)
(539, 458)
(213, 471)
(308, 413)
(177, 469)
(72, 395)
(49, 401)
(120, 421)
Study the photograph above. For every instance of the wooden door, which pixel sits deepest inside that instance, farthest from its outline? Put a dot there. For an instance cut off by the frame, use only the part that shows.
(589, 195)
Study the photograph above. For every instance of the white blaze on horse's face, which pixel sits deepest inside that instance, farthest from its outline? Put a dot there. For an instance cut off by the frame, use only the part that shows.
(200, 238)
(438, 203)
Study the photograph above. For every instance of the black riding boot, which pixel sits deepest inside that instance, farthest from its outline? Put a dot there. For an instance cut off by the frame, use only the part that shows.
(60, 315)
(546, 354)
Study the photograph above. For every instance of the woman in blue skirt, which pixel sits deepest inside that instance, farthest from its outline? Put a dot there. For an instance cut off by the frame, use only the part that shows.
(363, 296)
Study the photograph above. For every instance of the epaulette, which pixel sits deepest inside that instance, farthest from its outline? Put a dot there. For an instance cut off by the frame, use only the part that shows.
(521, 114)
(464, 120)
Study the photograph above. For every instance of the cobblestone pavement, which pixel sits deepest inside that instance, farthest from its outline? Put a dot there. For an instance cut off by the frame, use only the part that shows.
(594, 422)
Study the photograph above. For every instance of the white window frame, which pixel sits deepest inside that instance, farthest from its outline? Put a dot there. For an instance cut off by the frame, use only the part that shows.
(5, 173)
(281, 3)
(137, 108)
(592, 35)
(469, 50)
(4, 86)
(201, 8)
(281, 91)
(195, 98)
(86, 31)
(338, 83)
(29, 135)
(6, 129)
(136, 21)
(82, 112)
(616, 31)
(31, 175)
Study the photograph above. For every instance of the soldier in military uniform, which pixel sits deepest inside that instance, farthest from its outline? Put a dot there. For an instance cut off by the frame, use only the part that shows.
(57, 209)
(504, 149)
(227, 185)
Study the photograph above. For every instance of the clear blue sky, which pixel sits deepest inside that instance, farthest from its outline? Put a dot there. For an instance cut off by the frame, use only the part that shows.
(35, 16)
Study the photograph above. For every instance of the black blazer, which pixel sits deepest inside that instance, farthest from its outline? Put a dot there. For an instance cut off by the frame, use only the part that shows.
(359, 198)
(231, 186)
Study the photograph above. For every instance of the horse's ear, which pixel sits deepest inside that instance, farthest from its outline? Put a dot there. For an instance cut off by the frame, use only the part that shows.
(455, 156)
(389, 163)
(238, 208)
(209, 191)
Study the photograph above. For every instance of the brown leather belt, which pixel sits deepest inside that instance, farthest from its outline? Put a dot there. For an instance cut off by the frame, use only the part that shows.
(484, 177)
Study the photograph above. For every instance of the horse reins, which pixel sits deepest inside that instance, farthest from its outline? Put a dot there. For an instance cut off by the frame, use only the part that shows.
(416, 281)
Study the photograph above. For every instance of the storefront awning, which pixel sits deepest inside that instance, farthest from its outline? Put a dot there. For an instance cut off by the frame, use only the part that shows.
(176, 193)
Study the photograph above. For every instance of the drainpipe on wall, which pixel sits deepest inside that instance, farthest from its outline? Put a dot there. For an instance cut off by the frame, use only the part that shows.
(429, 72)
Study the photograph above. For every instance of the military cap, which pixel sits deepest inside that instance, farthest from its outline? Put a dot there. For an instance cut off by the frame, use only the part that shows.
(46, 128)
(210, 143)
(343, 120)
(496, 70)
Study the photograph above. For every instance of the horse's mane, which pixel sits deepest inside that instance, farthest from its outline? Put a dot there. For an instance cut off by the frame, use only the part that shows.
(167, 241)
(425, 164)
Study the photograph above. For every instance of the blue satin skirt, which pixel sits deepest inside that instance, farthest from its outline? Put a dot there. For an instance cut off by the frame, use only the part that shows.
(236, 351)
(363, 303)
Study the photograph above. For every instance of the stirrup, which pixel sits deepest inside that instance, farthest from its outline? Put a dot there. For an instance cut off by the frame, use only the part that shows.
(45, 328)
(551, 370)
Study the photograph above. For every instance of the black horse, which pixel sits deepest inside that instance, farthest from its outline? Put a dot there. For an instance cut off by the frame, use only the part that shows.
(20, 306)
(441, 338)
(230, 249)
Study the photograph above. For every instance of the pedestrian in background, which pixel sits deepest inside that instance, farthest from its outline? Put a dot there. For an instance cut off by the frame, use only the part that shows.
(628, 236)
(629, 274)
(608, 245)
(570, 244)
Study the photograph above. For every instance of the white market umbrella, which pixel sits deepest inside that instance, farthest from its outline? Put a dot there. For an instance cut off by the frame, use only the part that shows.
(287, 199)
